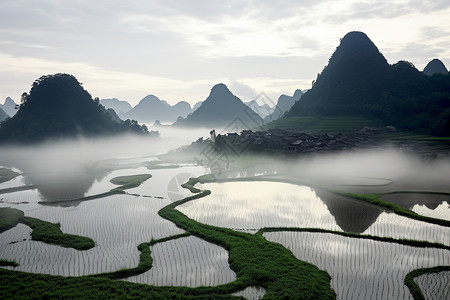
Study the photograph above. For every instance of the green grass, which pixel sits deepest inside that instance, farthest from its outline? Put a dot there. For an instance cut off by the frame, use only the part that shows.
(331, 124)
(125, 182)
(145, 260)
(129, 182)
(375, 199)
(21, 285)
(257, 261)
(8, 263)
(43, 231)
(7, 174)
(9, 217)
(406, 242)
(51, 233)
(413, 287)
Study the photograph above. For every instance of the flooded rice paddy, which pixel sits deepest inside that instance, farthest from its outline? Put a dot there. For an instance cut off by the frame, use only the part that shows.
(187, 261)
(253, 205)
(361, 269)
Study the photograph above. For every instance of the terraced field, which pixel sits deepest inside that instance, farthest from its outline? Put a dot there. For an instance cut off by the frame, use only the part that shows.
(188, 261)
(434, 285)
(362, 269)
(220, 253)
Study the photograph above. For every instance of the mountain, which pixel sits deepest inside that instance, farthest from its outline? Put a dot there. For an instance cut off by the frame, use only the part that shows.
(262, 110)
(119, 106)
(57, 106)
(151, 108)
(181, 109)
(435, 66)
(358, 81)
(222, 108)
(284, 103)
(9, 107)
(196, 105)
(3, 115)
(112, 113)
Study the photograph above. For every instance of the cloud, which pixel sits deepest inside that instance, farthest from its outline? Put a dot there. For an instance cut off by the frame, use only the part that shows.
(171, 46)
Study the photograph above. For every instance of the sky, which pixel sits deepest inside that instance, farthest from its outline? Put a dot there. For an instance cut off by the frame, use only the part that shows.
(178, 50)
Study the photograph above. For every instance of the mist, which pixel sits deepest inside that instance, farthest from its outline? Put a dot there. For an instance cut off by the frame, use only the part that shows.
(382, 168)
(66, 169)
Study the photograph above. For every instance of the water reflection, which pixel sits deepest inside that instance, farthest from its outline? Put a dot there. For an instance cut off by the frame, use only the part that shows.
(252, 205)
(409, 200)
(350, 215)
(56, 186)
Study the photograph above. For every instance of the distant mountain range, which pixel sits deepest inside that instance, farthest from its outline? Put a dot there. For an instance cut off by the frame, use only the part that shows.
(151, 108)
(221, 109)
(57, 106)
(9, 107)
(119, 106)
(358, 81)
(284, 103)
(263, 110)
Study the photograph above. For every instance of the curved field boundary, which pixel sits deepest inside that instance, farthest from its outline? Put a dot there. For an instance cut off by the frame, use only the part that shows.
(21, 285)
(125, 182)
(413, 287)
(8, 263)
(43, 231)
(145, 260)
(373, 199)
(406, 242)
(255, 260)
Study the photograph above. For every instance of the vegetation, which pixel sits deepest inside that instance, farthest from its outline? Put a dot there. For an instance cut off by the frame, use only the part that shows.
(7, 174)
(406, 242)
(145, 260)
(43, 231)
(57, 106)
(9, 217)
(375, 199)
(8, 263)
(221, 108)
(131, 181)
(413, 287)
(21, 285)
(51, 233)
(358, 81)
(125, 182)
(257, 261)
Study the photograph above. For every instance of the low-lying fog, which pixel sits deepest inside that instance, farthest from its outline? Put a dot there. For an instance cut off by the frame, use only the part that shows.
(66, 163)
(388, 167)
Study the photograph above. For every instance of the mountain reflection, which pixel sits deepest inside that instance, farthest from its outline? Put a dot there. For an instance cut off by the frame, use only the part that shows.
(350, 215)
(409, 200)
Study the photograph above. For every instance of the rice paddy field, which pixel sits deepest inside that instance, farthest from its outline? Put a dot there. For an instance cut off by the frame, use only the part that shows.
(131, 209)
(253, 205)
(363, 269)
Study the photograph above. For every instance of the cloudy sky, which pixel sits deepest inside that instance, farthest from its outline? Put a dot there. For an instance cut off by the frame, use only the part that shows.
(177, 50)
